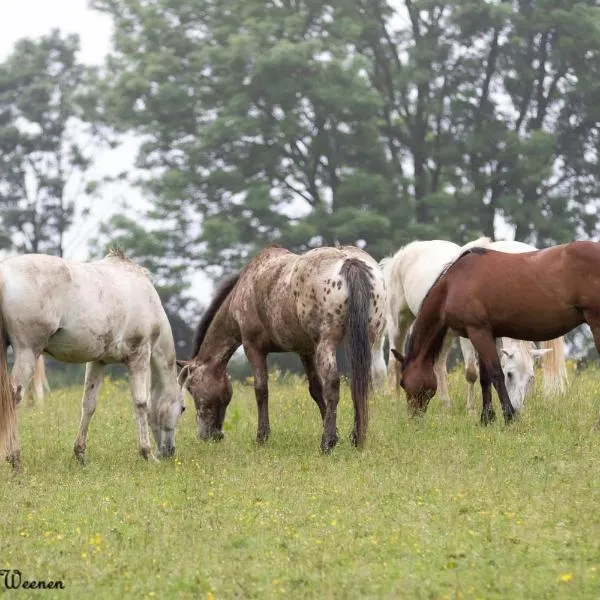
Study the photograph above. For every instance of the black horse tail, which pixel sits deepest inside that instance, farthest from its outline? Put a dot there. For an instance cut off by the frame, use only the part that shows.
(360, 286)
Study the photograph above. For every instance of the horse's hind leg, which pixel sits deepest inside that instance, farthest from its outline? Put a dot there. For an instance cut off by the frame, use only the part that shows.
(326, 366)
(94, 373)
(314, 384)
(471, 372)
(491, 369)
(22, 371)
(379, 368)
(258, 362)
(441, 372)
(397, 334)
(20, 376)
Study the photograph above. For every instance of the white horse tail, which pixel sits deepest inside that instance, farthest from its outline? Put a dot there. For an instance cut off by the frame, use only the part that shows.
(8, 415)
(554, 366)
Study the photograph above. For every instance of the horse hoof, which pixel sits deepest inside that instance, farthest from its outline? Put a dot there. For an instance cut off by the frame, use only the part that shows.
(262, 437)
(146, 454)
(80, 456)
(488, 418)
(15, 463)
(327, 445)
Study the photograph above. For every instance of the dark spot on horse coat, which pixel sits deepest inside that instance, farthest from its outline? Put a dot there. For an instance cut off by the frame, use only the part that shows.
(339, 284)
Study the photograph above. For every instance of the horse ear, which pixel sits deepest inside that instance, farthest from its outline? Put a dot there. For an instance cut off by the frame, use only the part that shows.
(184, 372)
(537, 353)
(398, 356)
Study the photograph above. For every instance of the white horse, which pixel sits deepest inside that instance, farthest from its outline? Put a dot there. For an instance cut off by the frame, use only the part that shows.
(411, 272)
(99, 313)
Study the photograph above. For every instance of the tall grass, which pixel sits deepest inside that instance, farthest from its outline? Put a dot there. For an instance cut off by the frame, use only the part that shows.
(435, 508)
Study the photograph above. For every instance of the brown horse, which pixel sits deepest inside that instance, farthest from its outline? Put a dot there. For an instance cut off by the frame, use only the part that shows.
(284, 302)
(486, 294)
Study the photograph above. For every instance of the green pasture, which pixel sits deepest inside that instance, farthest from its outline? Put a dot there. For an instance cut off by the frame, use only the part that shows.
(435, 508)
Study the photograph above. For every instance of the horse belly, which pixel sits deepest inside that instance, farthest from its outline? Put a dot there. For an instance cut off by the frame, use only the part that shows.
(83, 346)
(538, 325)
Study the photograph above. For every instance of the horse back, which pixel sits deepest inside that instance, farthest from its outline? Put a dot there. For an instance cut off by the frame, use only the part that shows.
(533, 295)
(288, 302)
(76, 309)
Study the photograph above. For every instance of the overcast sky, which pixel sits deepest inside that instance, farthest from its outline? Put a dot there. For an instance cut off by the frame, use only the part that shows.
(34, 18)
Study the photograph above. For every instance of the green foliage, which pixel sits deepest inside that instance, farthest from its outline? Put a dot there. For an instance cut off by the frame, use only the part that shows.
(435, 508)
(305, 123)
(48, 103)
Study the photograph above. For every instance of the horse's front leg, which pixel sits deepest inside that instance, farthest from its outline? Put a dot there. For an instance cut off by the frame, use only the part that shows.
(487, 410)
(94, 373)
(139, 373)
(326, 366)
(258, 362)
(489, 365)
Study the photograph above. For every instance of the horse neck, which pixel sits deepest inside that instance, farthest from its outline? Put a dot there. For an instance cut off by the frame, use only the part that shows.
(162, 363)
(429, 329)
(222, 339)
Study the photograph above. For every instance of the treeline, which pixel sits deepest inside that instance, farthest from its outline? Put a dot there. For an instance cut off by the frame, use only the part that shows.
(302, 122)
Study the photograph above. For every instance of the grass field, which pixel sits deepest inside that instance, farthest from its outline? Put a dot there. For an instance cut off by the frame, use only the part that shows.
(438, 508)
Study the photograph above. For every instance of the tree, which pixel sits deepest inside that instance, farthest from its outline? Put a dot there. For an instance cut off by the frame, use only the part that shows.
(495, 105)
(302, 122)
(48, 106)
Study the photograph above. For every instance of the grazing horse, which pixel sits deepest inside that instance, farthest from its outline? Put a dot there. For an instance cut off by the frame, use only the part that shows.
(487, 294)
(284, 302)
(99, 313)
(410, 273)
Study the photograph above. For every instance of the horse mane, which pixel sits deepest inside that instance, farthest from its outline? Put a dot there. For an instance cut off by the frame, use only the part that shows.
(475, 250)
(223, 290)
(118, 254)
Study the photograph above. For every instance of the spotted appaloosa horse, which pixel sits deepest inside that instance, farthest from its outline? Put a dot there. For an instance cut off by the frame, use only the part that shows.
(486, 294)
(99, 312)
(284, 302)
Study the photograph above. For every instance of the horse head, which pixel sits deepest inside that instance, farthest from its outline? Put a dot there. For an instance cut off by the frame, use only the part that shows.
(418, 382)
(164, 416)
(517, 359)
(211, 390)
